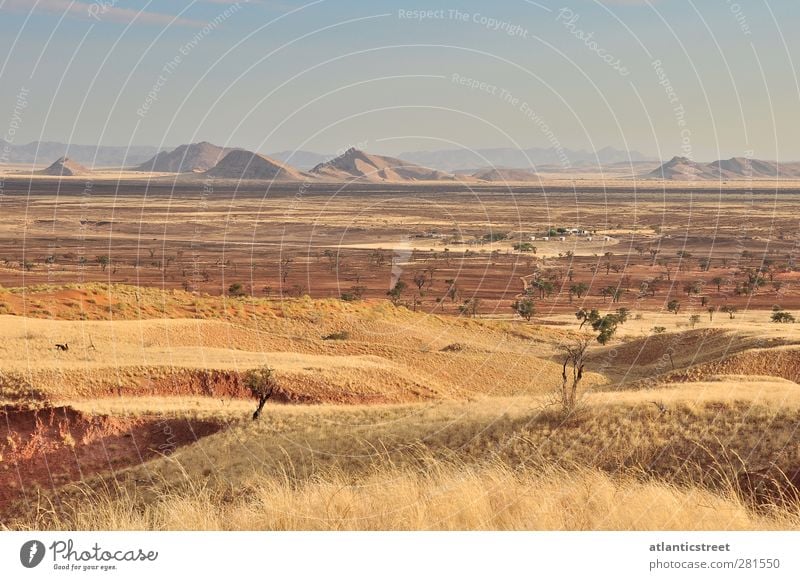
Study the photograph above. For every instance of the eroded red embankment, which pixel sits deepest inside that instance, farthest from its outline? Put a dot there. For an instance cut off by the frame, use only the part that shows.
(50, 447)
(172, 383)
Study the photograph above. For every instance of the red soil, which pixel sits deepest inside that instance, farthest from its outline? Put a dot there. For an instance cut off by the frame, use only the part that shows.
(48, 448)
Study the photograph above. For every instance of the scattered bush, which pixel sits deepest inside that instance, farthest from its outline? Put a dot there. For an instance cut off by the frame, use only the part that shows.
(782, 317)
(455, 347)
(340, 335)
(236, 290)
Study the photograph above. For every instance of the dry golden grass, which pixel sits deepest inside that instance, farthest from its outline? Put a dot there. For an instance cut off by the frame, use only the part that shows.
(462, 438)
(492, 463)
(443, 496)
(390, 354)
(754, 390)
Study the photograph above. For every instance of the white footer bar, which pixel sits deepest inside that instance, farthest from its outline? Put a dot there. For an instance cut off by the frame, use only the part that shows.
(407, 556)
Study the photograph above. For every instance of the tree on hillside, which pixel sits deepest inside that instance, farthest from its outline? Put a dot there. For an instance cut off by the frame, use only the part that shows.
(470, 307)
(397, 291)
(572, 372)
(525, 308)
(587, 316)
(674, 306)
(606, 327)
(261, 383)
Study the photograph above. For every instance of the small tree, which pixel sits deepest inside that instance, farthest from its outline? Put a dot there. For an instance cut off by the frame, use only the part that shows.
(572, 373)
(262, 384)
(420, 279)
(470, 307)
(397, 291)
(674, 306)
(236, 290)
(606, 327)
(781, 316)
(579, 289)
(693, 320)
(525, 308)
(730, 311)
(591, 317)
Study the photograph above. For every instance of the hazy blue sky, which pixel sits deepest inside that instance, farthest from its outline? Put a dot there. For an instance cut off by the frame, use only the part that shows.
(328, 74)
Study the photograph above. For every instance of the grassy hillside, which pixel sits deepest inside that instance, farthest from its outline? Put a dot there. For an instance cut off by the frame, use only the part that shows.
(411, 421)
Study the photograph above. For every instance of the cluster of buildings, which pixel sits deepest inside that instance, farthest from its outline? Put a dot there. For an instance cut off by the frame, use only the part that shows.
(561, 234)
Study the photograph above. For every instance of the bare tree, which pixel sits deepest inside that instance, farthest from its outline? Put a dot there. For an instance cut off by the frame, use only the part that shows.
(572, 372)
(285, 265)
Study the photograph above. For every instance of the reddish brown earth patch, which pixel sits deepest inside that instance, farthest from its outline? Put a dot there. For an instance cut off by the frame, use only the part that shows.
(47, 448)
(209, 383)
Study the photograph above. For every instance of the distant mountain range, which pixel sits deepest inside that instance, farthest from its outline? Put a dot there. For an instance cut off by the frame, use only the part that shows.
(684, 169)
(40, 152)
(502, 174)
(464, 159)
(94, 156)
(485, 165)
